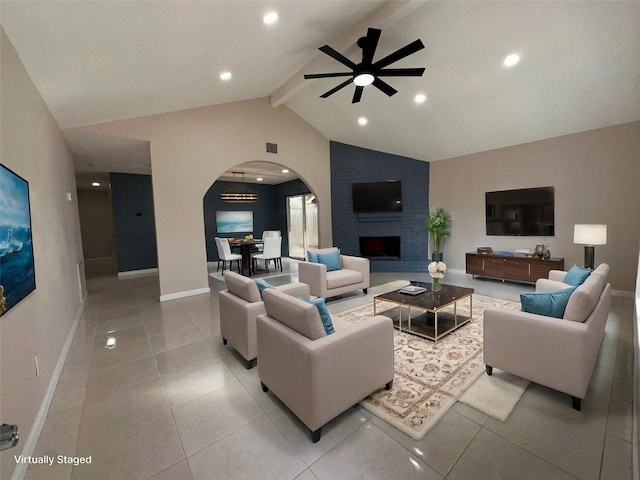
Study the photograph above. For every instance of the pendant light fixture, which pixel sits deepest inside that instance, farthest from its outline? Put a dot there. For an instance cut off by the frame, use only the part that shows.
(239, 193)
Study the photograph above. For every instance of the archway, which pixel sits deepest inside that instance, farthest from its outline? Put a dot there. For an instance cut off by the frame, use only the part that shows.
(270, 212)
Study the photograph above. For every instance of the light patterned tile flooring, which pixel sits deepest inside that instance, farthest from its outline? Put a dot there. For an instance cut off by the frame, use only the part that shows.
(170, 402)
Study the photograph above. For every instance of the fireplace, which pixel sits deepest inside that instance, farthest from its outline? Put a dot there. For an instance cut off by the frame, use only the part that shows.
(380, 247)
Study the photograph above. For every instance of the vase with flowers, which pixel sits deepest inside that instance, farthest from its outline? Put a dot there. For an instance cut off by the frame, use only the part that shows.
(437, 270)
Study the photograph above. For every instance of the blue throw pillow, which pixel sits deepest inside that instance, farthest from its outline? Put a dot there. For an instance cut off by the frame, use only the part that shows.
(549, 304)
(263, 285)
(322, 310)
(312, 256)
(576, 276)
(331, 260)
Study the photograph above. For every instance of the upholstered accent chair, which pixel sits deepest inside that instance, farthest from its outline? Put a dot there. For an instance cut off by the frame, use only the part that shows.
(319, 376)
(559, 353)
(239, 306)
(352, 274)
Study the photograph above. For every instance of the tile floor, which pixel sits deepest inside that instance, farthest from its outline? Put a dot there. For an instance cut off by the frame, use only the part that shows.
(170, 402)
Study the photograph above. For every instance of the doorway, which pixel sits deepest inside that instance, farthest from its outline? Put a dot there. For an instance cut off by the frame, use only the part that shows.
(302, 224)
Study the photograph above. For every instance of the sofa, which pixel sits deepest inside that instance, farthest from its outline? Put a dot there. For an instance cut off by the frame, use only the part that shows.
(318, 375)
(559, 353)
(349, 275)
(239, 306)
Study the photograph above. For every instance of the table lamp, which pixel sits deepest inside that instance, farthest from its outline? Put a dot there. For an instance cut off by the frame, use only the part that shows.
(589, 235)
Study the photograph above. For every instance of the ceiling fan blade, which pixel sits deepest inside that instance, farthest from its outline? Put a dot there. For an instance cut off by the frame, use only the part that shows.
(327, 75)
(357, 95)
(369, 45)
(337, 56)
(335, 89)
(384, 87)
(401, 72)
(405, 51)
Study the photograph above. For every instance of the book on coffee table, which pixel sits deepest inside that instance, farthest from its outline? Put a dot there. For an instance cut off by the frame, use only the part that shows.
(413, 290)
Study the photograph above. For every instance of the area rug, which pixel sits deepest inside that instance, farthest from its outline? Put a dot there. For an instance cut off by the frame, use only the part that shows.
(429, 377)
(495, 395)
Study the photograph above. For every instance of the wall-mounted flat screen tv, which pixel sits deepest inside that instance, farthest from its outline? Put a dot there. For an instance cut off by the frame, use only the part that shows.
(377, 197)
(524, 212)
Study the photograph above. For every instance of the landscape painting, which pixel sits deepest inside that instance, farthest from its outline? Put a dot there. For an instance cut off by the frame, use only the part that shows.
(17, 271)
(234, 222)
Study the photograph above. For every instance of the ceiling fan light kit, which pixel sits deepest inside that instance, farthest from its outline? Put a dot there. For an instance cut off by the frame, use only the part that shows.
(368, 72)
(363, 79)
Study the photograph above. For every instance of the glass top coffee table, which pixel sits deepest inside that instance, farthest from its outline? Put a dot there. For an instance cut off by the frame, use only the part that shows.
(439, 309)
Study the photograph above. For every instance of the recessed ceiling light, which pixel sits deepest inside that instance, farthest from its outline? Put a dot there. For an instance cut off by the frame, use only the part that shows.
(363, 121)
(285, 170)
(225, 76)
(259, 179)
(95, 184)
(270, 18)
(511, 60)
(420, 98)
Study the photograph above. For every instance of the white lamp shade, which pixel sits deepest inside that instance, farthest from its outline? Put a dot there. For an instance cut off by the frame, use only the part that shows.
(590, 234)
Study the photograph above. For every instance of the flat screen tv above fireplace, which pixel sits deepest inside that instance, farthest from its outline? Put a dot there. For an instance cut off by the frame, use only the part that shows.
(377, 197)
(523, 212)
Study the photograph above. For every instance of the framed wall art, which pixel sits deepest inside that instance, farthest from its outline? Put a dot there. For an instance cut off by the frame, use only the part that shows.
(234, 221)
(17, 269)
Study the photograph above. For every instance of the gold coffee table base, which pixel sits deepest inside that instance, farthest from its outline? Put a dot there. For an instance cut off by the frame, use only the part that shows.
(438, 319)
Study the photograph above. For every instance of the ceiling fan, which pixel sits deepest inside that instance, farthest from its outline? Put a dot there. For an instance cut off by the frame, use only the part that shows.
(368, 72)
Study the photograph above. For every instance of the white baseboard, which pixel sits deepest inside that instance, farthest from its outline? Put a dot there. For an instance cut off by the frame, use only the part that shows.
(32, 440)
(138, 273)
(622, 293)
(187, 293)
(456, 270)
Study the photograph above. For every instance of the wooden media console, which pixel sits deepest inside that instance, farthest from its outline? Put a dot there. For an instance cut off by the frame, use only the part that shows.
(511, 267)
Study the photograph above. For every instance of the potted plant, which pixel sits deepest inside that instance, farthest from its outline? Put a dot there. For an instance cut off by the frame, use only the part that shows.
(438, 224)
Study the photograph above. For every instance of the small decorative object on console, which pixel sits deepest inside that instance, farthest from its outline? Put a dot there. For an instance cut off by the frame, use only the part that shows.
(542, 251)
(484, 250)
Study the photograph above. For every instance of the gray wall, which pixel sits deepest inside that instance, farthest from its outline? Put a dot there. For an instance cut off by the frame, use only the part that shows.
(595, 174)
(191, 149)
(32, 145)
(96, 224)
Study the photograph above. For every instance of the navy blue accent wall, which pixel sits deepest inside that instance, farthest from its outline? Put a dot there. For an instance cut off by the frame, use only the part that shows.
(349, 165)
(134, 222)
(269, 212)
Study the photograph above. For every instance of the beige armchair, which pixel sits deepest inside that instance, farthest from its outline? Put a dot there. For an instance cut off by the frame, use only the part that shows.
(559, 353)
(354, 275)
(319, 376)
(239, 305)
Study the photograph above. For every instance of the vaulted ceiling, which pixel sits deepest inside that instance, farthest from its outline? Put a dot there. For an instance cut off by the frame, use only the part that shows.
(96, 61)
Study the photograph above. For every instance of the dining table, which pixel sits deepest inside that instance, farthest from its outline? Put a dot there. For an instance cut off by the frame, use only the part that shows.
(245, 246)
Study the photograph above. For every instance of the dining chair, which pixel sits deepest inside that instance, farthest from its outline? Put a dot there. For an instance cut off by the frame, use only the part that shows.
(272, 251)
(267, 234)
(225, 255)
